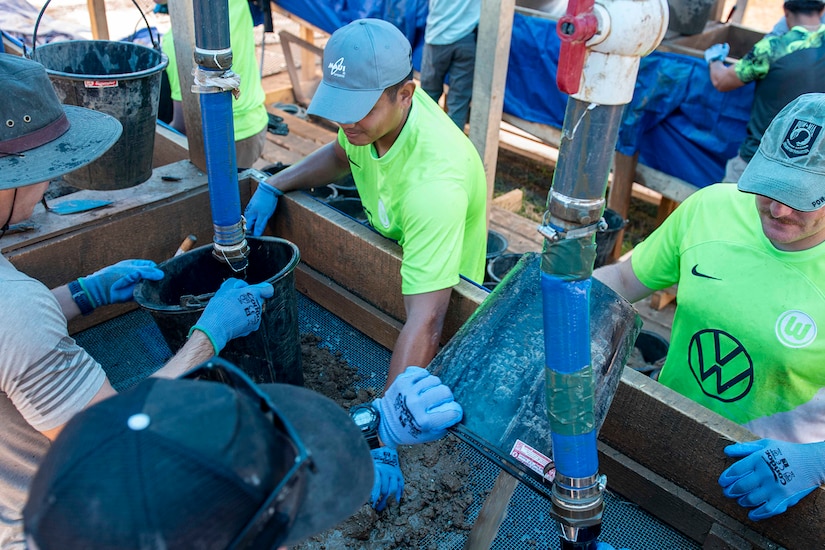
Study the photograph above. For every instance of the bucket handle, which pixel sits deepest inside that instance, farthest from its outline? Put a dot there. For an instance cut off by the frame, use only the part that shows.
(155, 43)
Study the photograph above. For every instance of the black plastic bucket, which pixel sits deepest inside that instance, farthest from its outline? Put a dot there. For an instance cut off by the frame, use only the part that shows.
(496, 245)
(121, 79)
(653, 346)
(350, 206)
(500, 266)
(270, 354)
(606, 240)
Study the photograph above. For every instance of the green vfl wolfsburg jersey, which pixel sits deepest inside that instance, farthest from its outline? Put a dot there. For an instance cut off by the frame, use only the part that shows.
(745, 340)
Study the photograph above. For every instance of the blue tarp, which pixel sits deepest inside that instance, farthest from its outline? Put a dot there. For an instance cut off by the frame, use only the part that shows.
(677, 121)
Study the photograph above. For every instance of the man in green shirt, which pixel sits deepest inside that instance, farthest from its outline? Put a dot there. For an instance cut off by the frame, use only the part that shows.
(750, 269)
(420, 180)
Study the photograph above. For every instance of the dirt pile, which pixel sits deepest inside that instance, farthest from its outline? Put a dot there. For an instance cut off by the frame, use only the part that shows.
(435, 498)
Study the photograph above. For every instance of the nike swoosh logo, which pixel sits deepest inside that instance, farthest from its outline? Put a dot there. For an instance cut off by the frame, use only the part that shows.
(696, 272)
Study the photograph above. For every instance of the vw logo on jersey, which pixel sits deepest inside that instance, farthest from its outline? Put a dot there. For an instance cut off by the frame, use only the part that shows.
(795, 329)
(382, 215)
(721, 365)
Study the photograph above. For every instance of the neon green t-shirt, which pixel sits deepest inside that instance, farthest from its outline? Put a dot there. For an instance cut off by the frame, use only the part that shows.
(745, 339)
(429, 193)
(248, 111)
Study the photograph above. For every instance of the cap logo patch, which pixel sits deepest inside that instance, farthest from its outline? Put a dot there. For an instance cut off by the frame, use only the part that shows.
(338, 68)
(800, 138)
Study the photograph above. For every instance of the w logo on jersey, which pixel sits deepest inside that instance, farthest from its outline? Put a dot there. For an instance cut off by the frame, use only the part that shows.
(795, 329)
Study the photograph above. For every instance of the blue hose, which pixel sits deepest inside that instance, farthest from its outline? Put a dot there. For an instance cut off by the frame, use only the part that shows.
(221, 164)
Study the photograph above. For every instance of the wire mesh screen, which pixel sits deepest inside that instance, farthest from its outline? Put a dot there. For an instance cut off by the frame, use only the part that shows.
(140, 350)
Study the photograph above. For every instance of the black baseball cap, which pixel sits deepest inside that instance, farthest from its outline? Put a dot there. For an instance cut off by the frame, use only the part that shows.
(188, 464)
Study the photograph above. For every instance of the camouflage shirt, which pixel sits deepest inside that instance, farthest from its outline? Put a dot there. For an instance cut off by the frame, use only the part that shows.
(783, 67)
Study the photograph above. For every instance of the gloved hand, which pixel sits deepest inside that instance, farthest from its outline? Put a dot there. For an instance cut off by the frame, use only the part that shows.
(261, 207)
(604, 546)
(773, 475)
(234, 311)
(416, 408)
(388, 480)
(717, 52)
(116, 283)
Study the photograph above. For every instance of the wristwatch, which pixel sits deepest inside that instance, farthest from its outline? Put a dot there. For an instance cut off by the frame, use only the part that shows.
(367, 418)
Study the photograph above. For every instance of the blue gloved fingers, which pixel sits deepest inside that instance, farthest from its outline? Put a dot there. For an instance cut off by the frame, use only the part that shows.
(744, 449)
(261, 207)
(411, 375)
(388, 479)
(769, 509)
(115, 283)
(444, 416)
(234, 311)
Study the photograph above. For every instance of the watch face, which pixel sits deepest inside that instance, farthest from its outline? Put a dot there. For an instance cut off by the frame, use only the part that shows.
(365, 417)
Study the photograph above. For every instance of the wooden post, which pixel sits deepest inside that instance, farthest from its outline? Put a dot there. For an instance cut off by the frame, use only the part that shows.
(492, 56)
(182, 17)
(97, 18)
(618, 199)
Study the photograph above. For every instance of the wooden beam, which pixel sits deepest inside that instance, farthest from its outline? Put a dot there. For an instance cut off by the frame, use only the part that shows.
(182, 18)
(304, 82)
(495, 28)
(97, 17)
(621, 188)
(684, 442)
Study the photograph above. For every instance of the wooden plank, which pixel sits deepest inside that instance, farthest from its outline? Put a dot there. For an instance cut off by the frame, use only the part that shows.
(669, 502)
(182, 18)
(492, 513)
(306, 81)
(671, 187)
(621, 187)
(322, 290)
(282, 94)
(684, 443)
(512, 200)
(522, 234)
(304, 128)
(170, 147)
(492, 56)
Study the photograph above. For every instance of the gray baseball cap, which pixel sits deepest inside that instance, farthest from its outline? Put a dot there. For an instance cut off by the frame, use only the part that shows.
(361, 60)
(789, 166)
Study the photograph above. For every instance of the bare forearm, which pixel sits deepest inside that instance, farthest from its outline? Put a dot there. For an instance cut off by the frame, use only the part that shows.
(67, 304)
(195, 351)
(416, 346)
(621, 278)
(322, 166)
(724, 77)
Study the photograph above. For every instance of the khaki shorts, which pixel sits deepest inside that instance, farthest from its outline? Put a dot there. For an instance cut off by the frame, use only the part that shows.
(248, 150)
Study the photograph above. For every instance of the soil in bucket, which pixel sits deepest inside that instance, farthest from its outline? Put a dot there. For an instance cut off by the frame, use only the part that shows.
(270, 354)
(606, 240)
(121, 79)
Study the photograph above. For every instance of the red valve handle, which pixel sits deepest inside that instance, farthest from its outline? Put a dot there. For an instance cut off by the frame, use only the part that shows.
(576, 27)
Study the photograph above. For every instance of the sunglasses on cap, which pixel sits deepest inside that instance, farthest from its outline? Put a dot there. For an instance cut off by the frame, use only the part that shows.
(270, 525)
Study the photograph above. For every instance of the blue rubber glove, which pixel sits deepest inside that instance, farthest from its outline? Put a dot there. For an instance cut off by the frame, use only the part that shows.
(604, 546)
(773, 475)
(388, 480)
(116, 283)
(416, 408)
(261, 207)
(717, 52)
(234, 311)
